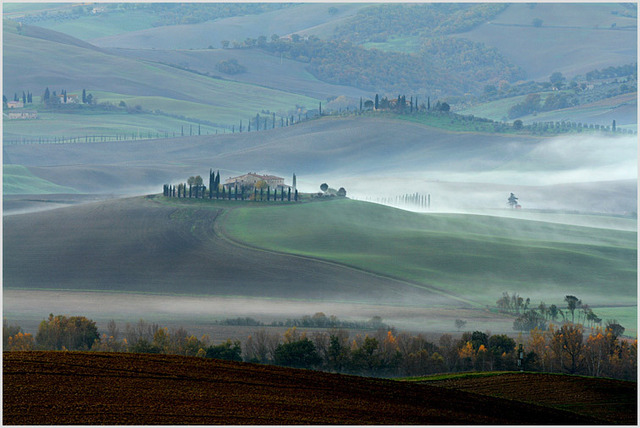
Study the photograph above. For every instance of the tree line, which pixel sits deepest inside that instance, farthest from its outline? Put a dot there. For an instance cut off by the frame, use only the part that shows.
(529, 317)
(567, 348)
(195, 188)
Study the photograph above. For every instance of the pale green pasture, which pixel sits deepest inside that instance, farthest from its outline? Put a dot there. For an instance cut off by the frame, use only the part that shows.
(476, 257)
(16, 179)
(57, 125)
(89, 27)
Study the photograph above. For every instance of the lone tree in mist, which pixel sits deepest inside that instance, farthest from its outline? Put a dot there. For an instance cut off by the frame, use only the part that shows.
(513, 200)
(324, 187)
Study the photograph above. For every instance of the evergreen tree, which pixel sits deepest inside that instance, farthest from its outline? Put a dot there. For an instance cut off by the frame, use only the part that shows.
(268, 193)
(295, 196)
(84, 96)
(320, 108)
(274, 121)
(376, 102)
(46, 96)
(24, 101)
(289, 195)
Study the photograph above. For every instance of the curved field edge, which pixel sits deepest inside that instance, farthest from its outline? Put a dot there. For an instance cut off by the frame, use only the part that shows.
(611, 400)
(453, 252)
(203, 391)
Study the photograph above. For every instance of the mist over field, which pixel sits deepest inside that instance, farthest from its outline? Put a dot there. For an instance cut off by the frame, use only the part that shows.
(428, 115)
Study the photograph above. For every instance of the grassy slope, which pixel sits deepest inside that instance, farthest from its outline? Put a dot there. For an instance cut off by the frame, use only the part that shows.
(201, 36)
(623, 108)
(205, 392)
(573, 39)
(32, 63)
(17, 179)
(462, 254)
(262, 69)
(137, 245)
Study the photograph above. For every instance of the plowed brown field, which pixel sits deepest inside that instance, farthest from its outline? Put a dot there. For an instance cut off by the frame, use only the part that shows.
(613, 401)
(101, 388)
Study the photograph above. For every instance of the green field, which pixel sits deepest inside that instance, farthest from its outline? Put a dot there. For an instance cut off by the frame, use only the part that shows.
(17, 179)
(477, 257)
(31, 64)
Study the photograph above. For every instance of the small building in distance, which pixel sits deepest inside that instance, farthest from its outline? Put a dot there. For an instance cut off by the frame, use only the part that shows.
(25, 115)
(15, 104)
(249, 181)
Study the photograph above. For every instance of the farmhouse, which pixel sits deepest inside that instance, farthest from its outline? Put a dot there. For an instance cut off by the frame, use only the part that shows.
(15, 104)
(71, 99)
(250, 180)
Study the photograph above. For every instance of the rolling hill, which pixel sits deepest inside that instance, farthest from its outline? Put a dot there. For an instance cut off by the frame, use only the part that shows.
(568, 41)
(199, 391)
(314, 251)
(369, 156)
(33, 63)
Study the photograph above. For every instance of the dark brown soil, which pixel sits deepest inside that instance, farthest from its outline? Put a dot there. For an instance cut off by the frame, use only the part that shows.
(613, 401)
(98, 388)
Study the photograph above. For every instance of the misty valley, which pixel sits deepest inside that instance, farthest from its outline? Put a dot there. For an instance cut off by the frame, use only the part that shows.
(425, 192)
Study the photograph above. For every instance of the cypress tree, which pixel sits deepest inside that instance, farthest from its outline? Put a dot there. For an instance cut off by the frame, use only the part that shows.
(84, 96)
(261, 196)
(189, 190)
(240, 129)
(268, 193)
(428, 103)
(295, 197)
(320, 108)
(257, 121)
(255, 194)
(281, 194)
(376, 102)
(236, 195)
(274, 121)
(360, 103)
(289, 195)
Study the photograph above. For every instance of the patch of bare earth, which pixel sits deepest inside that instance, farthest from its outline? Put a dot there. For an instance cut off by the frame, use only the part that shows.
(102, 388)
(612, 401)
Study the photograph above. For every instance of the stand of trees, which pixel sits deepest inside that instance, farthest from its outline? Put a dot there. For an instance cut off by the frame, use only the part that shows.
(194, 188)
(567, 348)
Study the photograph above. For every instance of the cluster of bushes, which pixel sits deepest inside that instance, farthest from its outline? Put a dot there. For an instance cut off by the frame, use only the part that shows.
(563, 349)
(230, 66)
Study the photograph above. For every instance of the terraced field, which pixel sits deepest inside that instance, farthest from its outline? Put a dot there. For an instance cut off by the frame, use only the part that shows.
(97, 388)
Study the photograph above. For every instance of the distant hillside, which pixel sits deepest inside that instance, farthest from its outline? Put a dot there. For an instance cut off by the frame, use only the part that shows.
(572, 38)
(182, 390)
(369, 156)
(282, 22)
